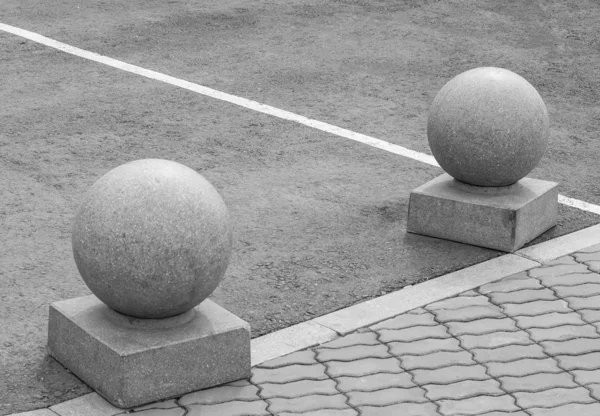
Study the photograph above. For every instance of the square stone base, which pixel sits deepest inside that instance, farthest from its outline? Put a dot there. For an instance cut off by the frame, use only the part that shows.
(131, 362)
(502, 218)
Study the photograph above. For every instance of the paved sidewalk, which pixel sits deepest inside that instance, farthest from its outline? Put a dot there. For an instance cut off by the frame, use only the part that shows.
(528, 344)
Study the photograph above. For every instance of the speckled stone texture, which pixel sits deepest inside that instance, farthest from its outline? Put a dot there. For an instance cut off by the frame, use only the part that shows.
(488, 127)
(500, 218)
(152, 238)
(131, 365)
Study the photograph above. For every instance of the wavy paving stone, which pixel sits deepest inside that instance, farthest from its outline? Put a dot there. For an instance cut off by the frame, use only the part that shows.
(549, 320)
(523, 367)
(572, 347)
(585, 290)
(357, 338)
(174, 411)
(504, 414)
(557, 270)
(477, 405)
(400, 409)
(305, 357)
(468, 314)
(298, 388)
(387, 397)
(325, 412)
(562, 260)
(424, 346)
(522, 296)
(587, 256)
(570, 279)
(589, 361)
(363, 367)
(406, 321)
(351, 353)
(307, 403)
(375, 382)
(463, 389)
(495, 339)
(436, 360)
(587, 376)
(470, 293)
(510, 286)
(234, 408)
(553, 397)
(537, 382)
(167, 404)
(592, 302)
(574, 409)
(593, 266)
(590, 315)
(595, 390)
(458, 302)
(481, 326)
(414, 333)
(536, 308)
(563, 333)
(450, 374)
(508, 353)
(288, 373)
(221, 394)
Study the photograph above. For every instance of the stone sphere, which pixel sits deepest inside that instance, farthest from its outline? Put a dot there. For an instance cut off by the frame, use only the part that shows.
(152, 239)
(488, 127)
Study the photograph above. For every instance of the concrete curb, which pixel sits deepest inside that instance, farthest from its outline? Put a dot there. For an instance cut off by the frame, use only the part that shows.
(339, 323)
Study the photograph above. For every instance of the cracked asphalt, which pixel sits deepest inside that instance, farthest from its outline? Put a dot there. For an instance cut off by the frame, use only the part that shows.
(526, 345)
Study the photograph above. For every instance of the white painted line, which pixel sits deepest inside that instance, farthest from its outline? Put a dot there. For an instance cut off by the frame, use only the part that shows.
(563, 245)
(253, 105)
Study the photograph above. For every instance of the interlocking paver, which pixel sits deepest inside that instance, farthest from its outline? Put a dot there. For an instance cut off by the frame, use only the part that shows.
(595, 388)
(587, 289)
(522, 296)
(404, 409)
(414, 333)
(510, 286)
(451, 374)
(558, 270)
(536, 308)
(589, 361)
(364, 367)
(572, 347)
(173, 411)
(549, 320)
(325, 412)
(288, 373)
(436, 360)
(583, 256)
(505, 414)
(386, 397)
(563, 333)
(458, 302)
(508, 353)
(375, 382)
(495, 339)
(477, 405)
(481, 326)
(307, 403)
(592, 302)
(351, 353)
(537, 382)
(221, 394)
(357, 338)
(468, 314)
(463, 389)
(570, 279)
(234, 408)
(587, 376)
(298, 388)
(590, 315)
(406, 321)
(470, 293)
(562, 260)
(523, 367)
(424, 346)
(305, 357)
(553, 397)
(575, 409)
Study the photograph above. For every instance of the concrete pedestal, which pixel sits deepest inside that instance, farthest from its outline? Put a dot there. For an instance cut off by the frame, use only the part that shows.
(500, 218)
(132, 361)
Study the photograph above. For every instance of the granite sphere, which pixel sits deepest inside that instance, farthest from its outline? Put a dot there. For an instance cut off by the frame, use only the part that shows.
(488, 127)
(152, 239)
